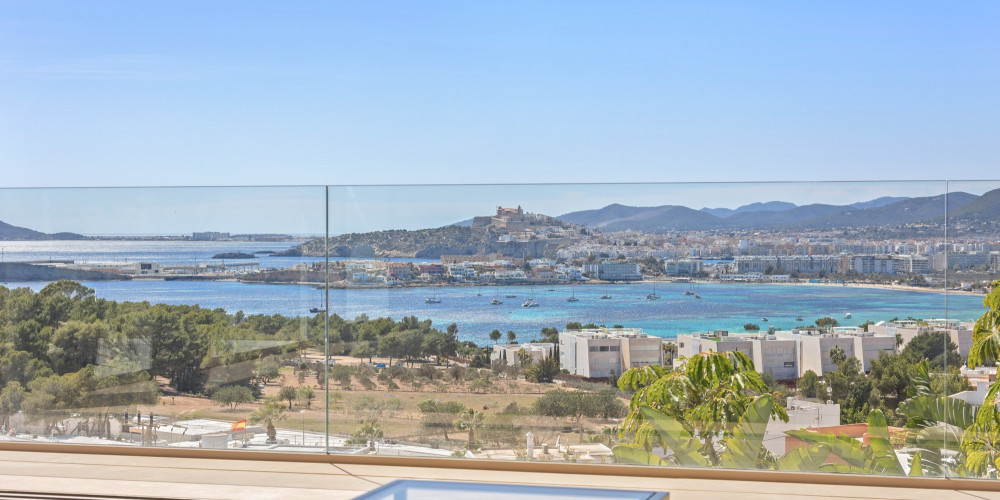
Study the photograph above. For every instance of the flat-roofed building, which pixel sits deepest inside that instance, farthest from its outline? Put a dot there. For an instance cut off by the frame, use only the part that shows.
(511, 353)
(597, 353)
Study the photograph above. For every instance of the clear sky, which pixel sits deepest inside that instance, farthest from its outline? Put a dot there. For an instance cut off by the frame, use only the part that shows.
(125, 93)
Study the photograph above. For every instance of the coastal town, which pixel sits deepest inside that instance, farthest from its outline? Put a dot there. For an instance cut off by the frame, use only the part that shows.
(528, 248)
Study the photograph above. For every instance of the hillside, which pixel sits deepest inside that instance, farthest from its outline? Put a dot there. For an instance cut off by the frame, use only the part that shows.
(771, 206)
(425, 243)
(879, 212)
(9, 232)
(983, 208)
(649, 219)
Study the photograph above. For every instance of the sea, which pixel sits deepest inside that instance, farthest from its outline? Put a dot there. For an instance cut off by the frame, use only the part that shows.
(722, 306)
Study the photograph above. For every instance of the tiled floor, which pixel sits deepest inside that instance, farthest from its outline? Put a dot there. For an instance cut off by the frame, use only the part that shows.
(177, 478)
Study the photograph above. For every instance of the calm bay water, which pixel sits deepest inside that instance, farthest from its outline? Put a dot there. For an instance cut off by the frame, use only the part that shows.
(722, 306)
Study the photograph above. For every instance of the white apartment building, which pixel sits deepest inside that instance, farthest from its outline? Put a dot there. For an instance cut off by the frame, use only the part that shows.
(770, 354)
(789, 354)
(596, 353)
(814, 347)
(960, 332)
(511, 353)
(682, 267)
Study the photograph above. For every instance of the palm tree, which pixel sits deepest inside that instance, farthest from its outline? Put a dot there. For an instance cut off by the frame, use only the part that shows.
(705, 400)
(470, 420)
(272, 411)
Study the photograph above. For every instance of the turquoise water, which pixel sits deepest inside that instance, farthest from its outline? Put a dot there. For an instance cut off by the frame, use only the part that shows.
(722, 306)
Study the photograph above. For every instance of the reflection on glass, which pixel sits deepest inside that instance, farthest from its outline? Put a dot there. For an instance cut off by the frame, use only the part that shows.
(786, 326)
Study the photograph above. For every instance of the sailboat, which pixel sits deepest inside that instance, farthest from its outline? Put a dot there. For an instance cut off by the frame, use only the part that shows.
(572, 298)
(432, 299)
(496, 300)
(316, 310)
(531, 300)
(606, 296)
(653, 296)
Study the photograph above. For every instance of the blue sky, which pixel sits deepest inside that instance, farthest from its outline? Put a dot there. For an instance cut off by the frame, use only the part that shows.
(123, 93)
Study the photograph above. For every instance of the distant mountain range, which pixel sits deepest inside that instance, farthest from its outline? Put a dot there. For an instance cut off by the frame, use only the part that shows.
(9, 232)
(784, 215)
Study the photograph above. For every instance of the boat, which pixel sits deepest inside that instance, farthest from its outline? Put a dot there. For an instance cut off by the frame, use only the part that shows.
(496, 302)
(847, 316)
(605, 297)
(697, 296)
(799, 318)
(432, 299)
(550, 289)
(531, 300)
(510, 296)
(572, 298)
(688, 292)
(652, 296)
(763, 319)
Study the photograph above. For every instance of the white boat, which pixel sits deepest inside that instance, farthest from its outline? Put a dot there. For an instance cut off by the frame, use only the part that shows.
(530, 303)
(572, 298)
(763, 319)
(496, 302)
(847, 316)
(432, 300)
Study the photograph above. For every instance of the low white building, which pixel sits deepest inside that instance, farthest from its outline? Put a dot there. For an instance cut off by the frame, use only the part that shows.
(801, 414)
(511, 353)
(597, 353)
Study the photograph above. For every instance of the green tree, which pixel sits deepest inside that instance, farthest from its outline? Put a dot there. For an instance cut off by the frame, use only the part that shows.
(826, 322)
(495, 336)
(936, 347)
(270, 413)
(705, 400)
(542, 372)
(837, 354)
(809, 384)
(232, 395)
(11, 397)
(751, 327)
(288, 393)
(267, 370)
(511, 336)
(306, 395)
(470, 420)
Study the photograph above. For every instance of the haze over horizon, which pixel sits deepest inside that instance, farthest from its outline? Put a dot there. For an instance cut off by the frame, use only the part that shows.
(300, 210)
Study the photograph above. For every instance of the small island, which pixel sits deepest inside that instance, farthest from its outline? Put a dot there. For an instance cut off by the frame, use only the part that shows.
(234, 255)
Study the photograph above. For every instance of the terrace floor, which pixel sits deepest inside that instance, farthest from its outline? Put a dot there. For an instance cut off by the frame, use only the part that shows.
(27, 474)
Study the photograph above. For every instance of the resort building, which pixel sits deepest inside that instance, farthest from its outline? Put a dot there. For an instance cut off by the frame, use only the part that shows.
(960, 332)
(779, 357)
(789, 354)
(814, 347)
(599, 352)
(682, 267)
(511, 353)
(618, 271)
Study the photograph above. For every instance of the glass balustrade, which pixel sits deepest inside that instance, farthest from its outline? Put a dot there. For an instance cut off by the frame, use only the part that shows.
(820, 327)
